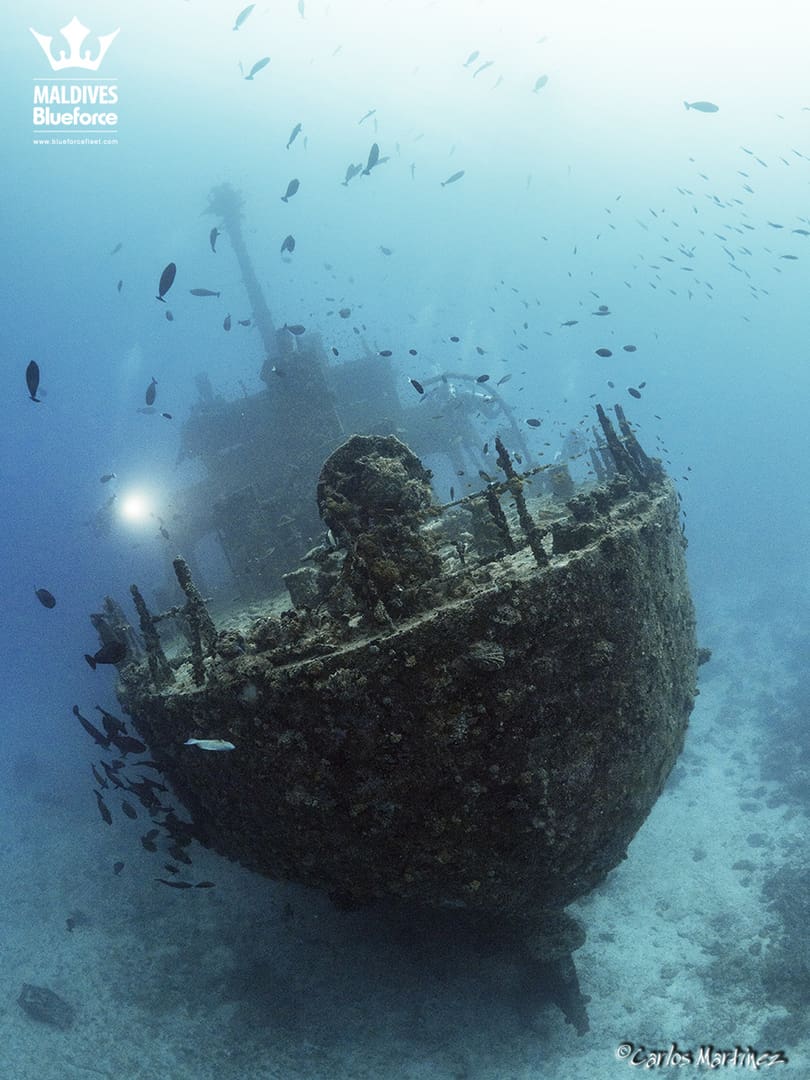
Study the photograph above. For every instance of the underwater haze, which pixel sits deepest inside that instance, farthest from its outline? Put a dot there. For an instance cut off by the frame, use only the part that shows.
(585, 202)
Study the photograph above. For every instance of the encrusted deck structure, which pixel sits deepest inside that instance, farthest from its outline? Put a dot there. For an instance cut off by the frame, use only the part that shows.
(470, 708)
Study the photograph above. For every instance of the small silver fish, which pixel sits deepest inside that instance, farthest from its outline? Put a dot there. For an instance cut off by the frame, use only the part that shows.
(210, 744)
(293, 134)
(702, 106)
(257, 67)
(240, 18)
(452, 179)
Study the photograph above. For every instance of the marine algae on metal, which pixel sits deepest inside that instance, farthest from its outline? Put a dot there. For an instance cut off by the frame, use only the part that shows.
(483, 734)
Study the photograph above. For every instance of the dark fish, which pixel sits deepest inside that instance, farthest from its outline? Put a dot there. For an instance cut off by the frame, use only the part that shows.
(631, 390)
(120, 284)
(212, 239)
(292, 187)
(105, 479)
(801, 232)
(47, 599)
(169, 316)
(128, 809)
(205, 885)
(454, 338)
(148, 842)
(167, 415)
(412, 352)
(385, 352)
(373, 159)
(177, 853)
(226, 322)
(111, 775)
(629, 348)
(288, 244)
(485, 476)
(112, 725)
(482, 378)
(32, 380)
(117, 868)
(126, 744)
(503, 379)
(293, 135)
(91, 729)
(203, 292)
(533, 422)
(603, 309)
(244, 322)
(166, 279)
(175, 884)
(351, 172)
(452, 179)
(417, 386)
(387, 251)
(345, 312)
(479, 350)
(485, 448)
(171, 868)
(471, 58)
(99, 779)
(117, 248)
(111, 653)
(541, 82)
(296, 329)
(243, 14)
(151, 391)
(102, 808)
(257, 67)
(604, 352)
(701, 106)
(570, 322)
(335, 351)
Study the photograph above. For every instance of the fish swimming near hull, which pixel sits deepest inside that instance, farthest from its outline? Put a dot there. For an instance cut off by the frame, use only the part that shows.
(702, 106)
(166, 281)
(257, 67)
(210, 744)
(292, 187)
(111, 653)
(32, 380)
(452, 179)
(243, 14)
(373, 159)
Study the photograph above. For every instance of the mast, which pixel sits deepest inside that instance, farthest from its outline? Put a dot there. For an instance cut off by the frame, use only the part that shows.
(226, 204)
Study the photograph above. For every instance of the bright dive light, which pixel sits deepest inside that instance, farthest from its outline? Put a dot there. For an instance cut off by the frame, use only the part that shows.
(135, 508)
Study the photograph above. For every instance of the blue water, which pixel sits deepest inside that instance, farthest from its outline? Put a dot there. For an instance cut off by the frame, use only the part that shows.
(598, 189)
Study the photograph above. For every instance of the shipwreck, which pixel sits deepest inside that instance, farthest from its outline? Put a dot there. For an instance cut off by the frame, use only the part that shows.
(464, 708)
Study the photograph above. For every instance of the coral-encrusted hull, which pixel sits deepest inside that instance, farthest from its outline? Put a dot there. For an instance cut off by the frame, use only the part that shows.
(497, 752)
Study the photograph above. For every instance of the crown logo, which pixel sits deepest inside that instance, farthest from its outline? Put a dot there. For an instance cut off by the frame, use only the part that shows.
(74, 34)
